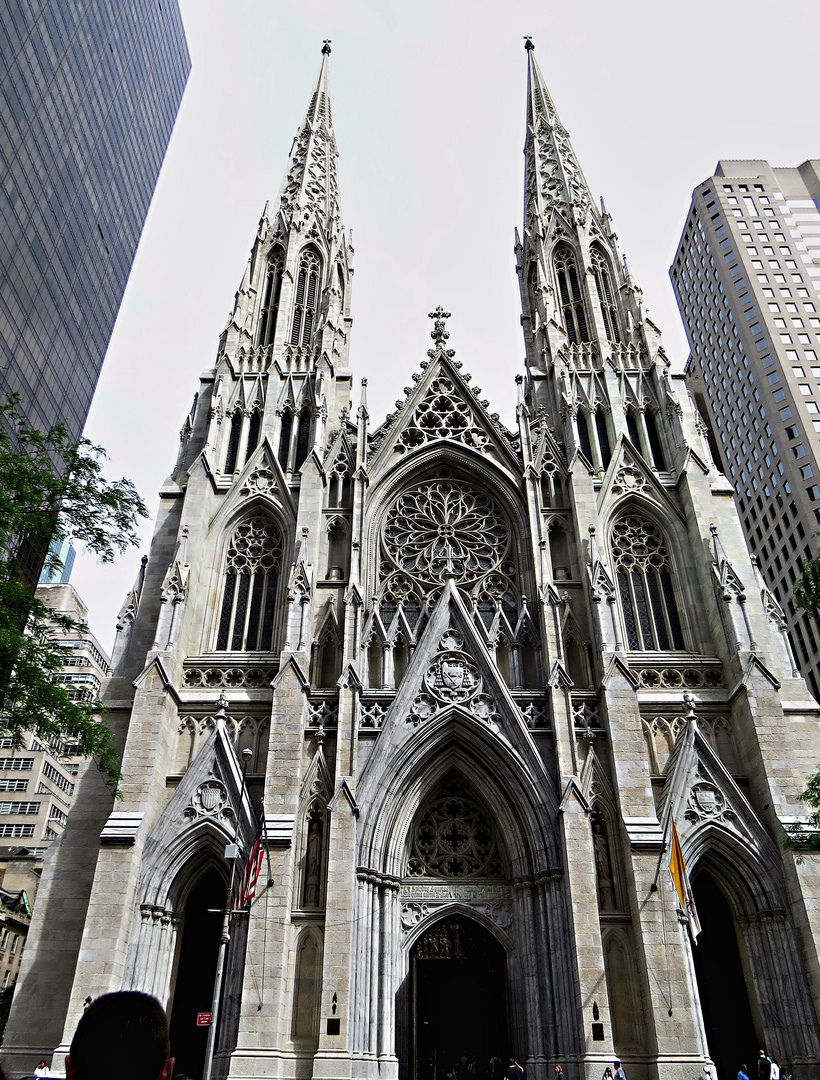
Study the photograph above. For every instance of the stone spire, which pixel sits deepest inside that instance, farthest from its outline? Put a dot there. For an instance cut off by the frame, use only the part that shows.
(311, 183)
(553, 177)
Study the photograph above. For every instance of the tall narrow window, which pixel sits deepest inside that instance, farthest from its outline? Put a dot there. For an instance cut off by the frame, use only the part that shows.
(645, 586)
(270, 301)
(302, 438)
(655, 444)
(253, 433)
(572, 300)
(304, 309)
(233, 442)
(251, 577)
(606, 297)
(284, 438)
(603, 437)
(584, 444)
(632, 428)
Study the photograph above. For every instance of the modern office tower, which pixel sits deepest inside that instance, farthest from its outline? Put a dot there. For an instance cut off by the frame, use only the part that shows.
(59, 570)
(468, 678)
(88, 97)
(747, 279)
(38, 782)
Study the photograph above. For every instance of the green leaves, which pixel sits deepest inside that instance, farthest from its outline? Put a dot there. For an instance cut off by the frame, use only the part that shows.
(50, 490)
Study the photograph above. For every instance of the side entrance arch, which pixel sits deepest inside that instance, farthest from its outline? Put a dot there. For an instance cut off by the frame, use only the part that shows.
(459, 1000)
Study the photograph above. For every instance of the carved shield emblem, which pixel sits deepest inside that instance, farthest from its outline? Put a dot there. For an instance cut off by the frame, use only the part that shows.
(211, 796)
(709, 799)
(452, 674)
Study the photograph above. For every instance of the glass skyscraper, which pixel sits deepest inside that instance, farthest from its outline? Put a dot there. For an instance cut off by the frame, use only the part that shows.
(88, 98)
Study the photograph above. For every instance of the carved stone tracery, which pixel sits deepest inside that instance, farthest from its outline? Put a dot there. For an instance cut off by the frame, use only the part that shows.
(454, 839)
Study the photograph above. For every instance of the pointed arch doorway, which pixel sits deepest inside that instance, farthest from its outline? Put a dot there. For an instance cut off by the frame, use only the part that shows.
(196, 972)
(724, 998)
(459, 996)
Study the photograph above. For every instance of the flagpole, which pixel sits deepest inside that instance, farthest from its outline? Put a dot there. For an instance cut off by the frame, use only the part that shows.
(224, 940)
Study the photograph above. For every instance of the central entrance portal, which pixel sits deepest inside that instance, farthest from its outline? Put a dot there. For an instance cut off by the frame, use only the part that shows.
(459, 974)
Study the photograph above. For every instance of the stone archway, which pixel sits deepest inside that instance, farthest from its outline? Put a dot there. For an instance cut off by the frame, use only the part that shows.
(724, 998)
(459, 1001)
(195, 972)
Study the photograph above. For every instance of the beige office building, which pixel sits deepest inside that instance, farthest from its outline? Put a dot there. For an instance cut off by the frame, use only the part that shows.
(747, 276)
(37, 783)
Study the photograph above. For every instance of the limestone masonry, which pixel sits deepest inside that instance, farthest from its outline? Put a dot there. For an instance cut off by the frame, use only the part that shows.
(479, 674)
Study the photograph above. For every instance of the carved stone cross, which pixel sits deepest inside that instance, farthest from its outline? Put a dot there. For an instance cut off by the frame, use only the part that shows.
(439, 333)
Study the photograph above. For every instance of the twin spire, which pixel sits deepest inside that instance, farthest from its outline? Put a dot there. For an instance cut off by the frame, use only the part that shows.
(553, 176)
(311, 184)
(553, 179)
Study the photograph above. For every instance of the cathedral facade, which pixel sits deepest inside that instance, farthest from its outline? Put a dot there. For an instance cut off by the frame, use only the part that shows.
(468, 676)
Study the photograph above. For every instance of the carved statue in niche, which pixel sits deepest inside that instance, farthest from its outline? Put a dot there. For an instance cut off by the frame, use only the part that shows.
(313, 857)
(603, 863)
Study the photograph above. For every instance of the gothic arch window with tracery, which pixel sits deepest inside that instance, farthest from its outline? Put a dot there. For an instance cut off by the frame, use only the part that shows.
(307, 291)
(270, 301)
(606, 296)
(251, 579)
(454, 838)
(571, 296)
(645, 584)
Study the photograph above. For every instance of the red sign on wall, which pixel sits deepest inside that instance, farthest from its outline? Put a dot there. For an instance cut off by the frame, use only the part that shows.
(203, 1019)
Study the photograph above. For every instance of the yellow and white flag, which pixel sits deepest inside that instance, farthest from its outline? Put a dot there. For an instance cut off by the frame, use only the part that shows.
(683, 887)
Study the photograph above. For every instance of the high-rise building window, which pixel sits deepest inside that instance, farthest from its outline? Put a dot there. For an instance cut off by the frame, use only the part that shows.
(645, 586)
(273, 291)
(251, 578)
(307, 289)
(572, 300)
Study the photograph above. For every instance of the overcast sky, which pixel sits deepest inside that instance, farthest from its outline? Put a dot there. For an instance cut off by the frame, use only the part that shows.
(428, 104)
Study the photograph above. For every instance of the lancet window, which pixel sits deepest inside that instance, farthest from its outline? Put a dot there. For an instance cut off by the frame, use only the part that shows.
(302, 438)
(603, 437)
(249, 594)
(645, 585)
(307, 291)
(284, 437)
(655, 444)
(272, 294)
(254, 426)
(234, 436)
(606, 297)
(572, 299)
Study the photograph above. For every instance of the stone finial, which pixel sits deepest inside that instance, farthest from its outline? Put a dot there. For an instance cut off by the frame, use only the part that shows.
(439, 333)
(326, 47)
(528, 43)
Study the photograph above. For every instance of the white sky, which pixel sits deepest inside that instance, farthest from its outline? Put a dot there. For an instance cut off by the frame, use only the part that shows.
(428, 104)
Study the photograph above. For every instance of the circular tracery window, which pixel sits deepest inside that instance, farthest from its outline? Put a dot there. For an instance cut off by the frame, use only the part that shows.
(444, 528)
(454, 839)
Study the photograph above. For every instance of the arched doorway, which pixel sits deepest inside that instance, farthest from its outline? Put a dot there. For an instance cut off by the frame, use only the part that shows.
(727, 1014)
(196, 972)
(459, 979)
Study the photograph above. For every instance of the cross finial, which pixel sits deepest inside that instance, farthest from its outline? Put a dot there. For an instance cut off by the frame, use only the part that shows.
(326, 47)
(528, 43)
(439, 333)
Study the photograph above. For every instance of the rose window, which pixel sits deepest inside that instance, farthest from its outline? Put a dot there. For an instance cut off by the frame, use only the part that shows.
(454, 839)
(445, 528)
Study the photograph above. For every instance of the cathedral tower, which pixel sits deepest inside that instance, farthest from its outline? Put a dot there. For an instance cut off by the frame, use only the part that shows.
(475, 675)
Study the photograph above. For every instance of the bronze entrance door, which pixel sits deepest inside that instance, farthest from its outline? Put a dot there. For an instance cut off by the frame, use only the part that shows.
(459, 974)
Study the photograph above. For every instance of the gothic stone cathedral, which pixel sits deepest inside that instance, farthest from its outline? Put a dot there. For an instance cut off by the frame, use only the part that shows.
(473, 672)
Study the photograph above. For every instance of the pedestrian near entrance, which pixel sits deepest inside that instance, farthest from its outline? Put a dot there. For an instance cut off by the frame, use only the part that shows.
(607, 1074)
(619, 1070)
(42, 1069)
(743, 1072)
(559, 1072)
(123, 1035)
(764, 1066)
(515, 1072)
(775, 1073)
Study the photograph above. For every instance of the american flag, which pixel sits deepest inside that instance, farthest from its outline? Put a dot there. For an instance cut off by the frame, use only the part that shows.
(250, 875)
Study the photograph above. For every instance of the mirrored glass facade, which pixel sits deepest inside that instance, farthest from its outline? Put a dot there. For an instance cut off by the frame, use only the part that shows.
(88, 97)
